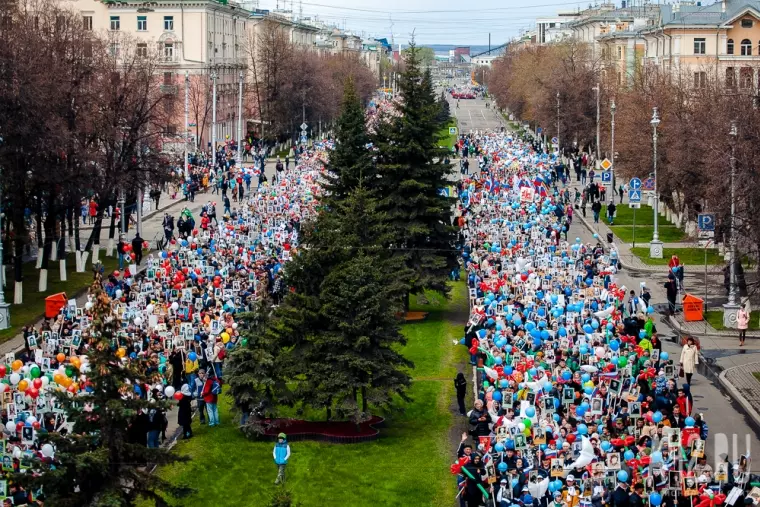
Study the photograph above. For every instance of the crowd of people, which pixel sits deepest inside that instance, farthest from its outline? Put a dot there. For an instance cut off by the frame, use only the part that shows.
(576, 402)
(179, 311)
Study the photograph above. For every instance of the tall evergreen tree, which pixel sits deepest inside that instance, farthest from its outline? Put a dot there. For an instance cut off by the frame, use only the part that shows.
(413, 175)
(97, 463)
(350, 160)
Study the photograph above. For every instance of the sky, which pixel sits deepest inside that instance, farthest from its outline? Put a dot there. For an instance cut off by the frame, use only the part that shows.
(460, 22)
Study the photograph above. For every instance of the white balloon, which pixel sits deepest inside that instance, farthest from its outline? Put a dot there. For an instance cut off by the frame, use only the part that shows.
(175, 306)
(47, 450)
(149, 308)
(85, 367)
(31, 419)
(138, 321)
(25, 369)
(88, 305)
(16, 452)
(15, 378)
(118, 293)
(234, 325)
(45, 381)
(521, 427)
(10, 427)
(169, 391)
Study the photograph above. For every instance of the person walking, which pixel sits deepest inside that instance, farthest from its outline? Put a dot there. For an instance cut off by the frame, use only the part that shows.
(742, 323)
(672, 291)
(185, 412)
(211, 389)
(597, 209)
(168, 225)
(689, 358)
(198, 383)
(460, 383)
(281, 454)
(611, 208)
(137, 248)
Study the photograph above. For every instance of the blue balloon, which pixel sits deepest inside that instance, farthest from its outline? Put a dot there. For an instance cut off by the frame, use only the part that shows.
(498, 360)
(614, 345)
(582, 429)
(595, 324)
(497, 395)
(556, 417)
(656, 457)
(650, 310)
(517, 321)
(642, 334)
(580, 411)
(502, 467)
(588, 329)
(657, 417)
(545, 334)
(530, 411)
(622, 476)
(499, 447)
(533, 372)
(628, 455)
(508, 370)
(530, 325)
(562, 332)
(606, 446)
(664, 356)
(503, 383)
(586, 377)
(192, 356)
(566, 375)
(689, 422)
(655, 499)
(527, 500)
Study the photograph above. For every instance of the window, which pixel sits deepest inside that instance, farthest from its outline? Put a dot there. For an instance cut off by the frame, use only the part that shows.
(700, 79)
(746, 23)
(700, 46)
(730, 77)
(619, 52)
(114, 49)
(746, 47)
(171, 130)
(169, 51)
(142, 23)
(115, 23)
(730, 47)
(168, 22)
(142, 50)
(168, 78)
(87, 23)
(745, 77)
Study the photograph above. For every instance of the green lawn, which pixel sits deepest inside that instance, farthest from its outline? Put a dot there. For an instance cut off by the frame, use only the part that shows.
(688, 256)
(715, 319)
(33, 307)
(668, 233)
(407, 465)
(644, 216)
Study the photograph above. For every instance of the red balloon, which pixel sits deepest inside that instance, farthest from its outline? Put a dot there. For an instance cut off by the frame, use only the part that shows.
(571, 438)
(19, 425)
(185, 270)
(523, 277)
(33, 392)
(36, 425)
(37, 383)
(178, 396)
(3, 371)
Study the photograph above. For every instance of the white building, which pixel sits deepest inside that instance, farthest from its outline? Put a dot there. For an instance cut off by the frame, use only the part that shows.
(554, 29)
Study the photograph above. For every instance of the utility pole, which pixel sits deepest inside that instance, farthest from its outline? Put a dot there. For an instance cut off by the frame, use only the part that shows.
(213, 122)
(240, 123)
(731, 308)
(655, 246)
(559, 153)
(122, 207)
(612, 147)
(596, 89)
(185, 171)
(5, 308)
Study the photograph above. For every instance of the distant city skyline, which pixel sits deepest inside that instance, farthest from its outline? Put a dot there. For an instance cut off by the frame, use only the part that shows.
(431, 21)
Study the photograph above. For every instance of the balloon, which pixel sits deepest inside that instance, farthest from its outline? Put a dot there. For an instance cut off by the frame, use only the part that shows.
(175, 306)
(571, 437)
(10, 427)
(657, 417)
(655, 457)
(628, 455)
(23, 385)
(15, 378)
(622, 476)
(120, 353)
(689, 422)
(622, 362)
(169, 391)
(655, 499)
(225, 337)
(35, 372)
(33, 392)
(37, 383)
(16, 365)
(521, 427)
(47, 450)
(530, 412)
(527, 423)
(192, 356)
(582, 429)
(61, 357)
(606, 446)
(178, 396)
(664, 356)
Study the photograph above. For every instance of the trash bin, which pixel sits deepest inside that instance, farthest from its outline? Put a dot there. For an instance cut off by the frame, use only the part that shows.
(609, 237)
(54, 303)
(693, 308)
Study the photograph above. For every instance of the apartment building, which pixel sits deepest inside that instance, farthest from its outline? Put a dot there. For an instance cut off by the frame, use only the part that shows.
(554, 29)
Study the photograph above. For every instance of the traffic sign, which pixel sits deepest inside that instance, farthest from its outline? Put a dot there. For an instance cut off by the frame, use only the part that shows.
(635, 184)
(539, 130)
(555, 140)
(636, 205)
(452, 131)
(606, 164)
(304, 126)
(706, 221)
(634, 196)
(648, 184)
(606, 177)
(303, 133)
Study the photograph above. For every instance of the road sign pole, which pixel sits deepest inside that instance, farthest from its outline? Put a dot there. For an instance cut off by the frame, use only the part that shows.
(634, 227)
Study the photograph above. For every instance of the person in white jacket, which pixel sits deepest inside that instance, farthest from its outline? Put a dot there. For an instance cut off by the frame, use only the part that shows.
(689, 358)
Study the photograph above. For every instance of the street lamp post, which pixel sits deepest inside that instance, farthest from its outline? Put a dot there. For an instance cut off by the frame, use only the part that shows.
(240, 122)
(5, 308)
(559, 153)
(185, 172)
(730, 309)
(213, 122)
(612, 143)
(655, 246)
(596, 89)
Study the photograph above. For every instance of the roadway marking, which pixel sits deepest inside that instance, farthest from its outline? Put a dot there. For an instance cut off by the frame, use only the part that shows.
(483, 114)
(470, 113)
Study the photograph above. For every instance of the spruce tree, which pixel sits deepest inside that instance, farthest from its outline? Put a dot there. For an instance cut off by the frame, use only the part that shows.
(350, 160)
(413, 176)
(97, 464)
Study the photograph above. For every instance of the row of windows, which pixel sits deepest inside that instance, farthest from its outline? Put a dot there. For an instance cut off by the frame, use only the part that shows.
(700, 46)
(746, 76)
(142, 23)
(167, 50)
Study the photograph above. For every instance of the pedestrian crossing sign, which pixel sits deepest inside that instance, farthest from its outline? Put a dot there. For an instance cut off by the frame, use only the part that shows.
(634, 195)
(452, 131)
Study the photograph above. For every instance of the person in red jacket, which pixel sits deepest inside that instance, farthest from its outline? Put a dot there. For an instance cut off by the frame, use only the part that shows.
(210, 395)
(684, 400)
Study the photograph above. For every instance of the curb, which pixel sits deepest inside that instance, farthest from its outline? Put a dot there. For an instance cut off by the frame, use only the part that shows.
(736, 395)
(677, 326)
(147, 215)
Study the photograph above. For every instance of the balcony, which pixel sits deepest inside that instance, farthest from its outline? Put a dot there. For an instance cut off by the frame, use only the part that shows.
(167, 89)
(169, 59)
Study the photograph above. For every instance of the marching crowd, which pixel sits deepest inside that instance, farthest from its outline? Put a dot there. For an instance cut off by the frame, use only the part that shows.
(577, 404)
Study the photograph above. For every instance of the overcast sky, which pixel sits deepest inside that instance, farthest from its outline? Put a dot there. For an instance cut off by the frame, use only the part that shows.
(433, 21)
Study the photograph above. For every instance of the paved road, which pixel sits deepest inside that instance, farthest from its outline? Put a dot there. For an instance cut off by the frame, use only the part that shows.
(472, 114)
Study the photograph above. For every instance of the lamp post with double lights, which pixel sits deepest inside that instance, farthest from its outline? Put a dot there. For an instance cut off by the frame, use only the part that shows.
(731, 309)
(655, 246)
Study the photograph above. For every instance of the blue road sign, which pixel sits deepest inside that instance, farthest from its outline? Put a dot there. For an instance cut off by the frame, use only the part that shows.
(606, 177)
(554, 140)
(539, 130)
(634, 196)
(635, 184)
(706, 222)
(648, 184)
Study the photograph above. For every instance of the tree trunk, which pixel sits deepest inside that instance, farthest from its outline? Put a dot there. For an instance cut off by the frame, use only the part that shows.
(111, 235)
(62, 250)
(48, 244)
(364, 399)
(40, 244)
(80, 255)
